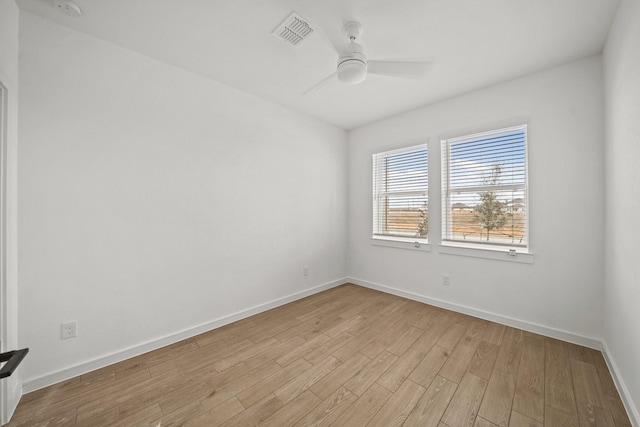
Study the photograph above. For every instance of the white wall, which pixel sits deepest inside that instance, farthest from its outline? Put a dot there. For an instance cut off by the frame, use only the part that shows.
(9, 77)
(562, 290)
(622, 227)
(153, 200)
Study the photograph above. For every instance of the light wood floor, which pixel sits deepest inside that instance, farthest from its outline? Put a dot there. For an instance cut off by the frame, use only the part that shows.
(349, 356)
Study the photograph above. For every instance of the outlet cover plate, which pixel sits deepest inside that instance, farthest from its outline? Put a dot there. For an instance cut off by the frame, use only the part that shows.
(69, 329)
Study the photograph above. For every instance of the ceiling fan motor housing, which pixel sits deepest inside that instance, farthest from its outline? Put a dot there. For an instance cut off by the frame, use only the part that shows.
(352, 68)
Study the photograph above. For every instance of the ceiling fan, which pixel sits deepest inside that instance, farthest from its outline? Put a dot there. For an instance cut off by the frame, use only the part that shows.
(353, 65)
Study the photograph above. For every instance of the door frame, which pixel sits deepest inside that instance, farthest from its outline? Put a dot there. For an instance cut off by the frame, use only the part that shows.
(3, 242)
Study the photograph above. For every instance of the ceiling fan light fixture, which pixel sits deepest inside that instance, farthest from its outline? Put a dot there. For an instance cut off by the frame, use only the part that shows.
(352, 71)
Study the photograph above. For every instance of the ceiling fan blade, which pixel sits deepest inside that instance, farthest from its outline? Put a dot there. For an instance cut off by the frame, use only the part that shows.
(406, 69)
(320, 84)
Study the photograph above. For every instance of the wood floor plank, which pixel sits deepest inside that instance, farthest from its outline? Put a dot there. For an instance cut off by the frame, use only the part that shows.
(457, 363)
(406, 338)
(498, 398)
(510, 351)
(578, 352)
(255, 414)
(606, 381)
(297, 329)
(205, 357)
(493, 333)
(368, 374)
(277, 352)
(328, 348)
(429, 317)
(556, 418)
(429, 366)
(397, 409)
(327, 385)
(378, 344)
(483, 361)
(346, 356)
(429, 337)
(329, 410)
(306, 379)
(343, 326)
(529, 395)
(140, 416)
(178, 417)
(84, 414)
(221, 394)
(295, 351)
(418, 313)
(153, 394)
(453, 334)
(273, 382)
(474, 333)
(430, 407)
(365, 408)
(357, 310)
(319, 326)
(481, 422)
(188, 391)
(136, 386)
(587, 384)
(618, 412)
(393, 378)
(293, 411)
(559, 392)
(519, 420)
(214, 418)
(87, 397)
(108, 417)
(464, 405)
(590, 415)
(352, 347)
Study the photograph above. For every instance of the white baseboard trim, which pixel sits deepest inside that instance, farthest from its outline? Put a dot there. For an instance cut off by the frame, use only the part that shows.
(127, 353)
(504, 320)
(632, 410)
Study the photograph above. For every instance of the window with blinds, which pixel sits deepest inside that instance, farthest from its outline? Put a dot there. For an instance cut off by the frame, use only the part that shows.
(484, 188)
(400, 203)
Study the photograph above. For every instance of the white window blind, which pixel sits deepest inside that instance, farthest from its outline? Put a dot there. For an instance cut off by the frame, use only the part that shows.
(400, 184)
(484, 179)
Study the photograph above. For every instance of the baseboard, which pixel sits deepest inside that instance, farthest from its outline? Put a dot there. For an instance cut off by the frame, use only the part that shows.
(504, 320)
(632, 410)
(118, 356)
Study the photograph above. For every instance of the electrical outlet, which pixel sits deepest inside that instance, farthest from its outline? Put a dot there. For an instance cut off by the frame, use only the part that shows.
(446, 280)
(305, 271)
(69, 329)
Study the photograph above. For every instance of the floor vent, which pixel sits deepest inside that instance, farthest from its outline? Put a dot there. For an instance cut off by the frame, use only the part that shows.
(293, 30)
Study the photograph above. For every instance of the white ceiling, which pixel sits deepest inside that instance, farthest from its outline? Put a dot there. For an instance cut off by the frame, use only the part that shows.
(475, 43)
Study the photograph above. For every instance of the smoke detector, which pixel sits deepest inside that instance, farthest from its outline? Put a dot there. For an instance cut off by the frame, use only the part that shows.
(293, 30)
(68, 7)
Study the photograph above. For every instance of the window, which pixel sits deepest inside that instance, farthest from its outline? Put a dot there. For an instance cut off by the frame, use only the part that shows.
(400, 203)
(484, 189)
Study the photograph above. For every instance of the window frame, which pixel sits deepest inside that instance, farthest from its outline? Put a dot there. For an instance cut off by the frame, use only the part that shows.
(397, 241)
(479, 248)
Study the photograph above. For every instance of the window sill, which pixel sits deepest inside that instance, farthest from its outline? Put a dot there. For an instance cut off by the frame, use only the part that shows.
(497, 254)
(400, 243)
